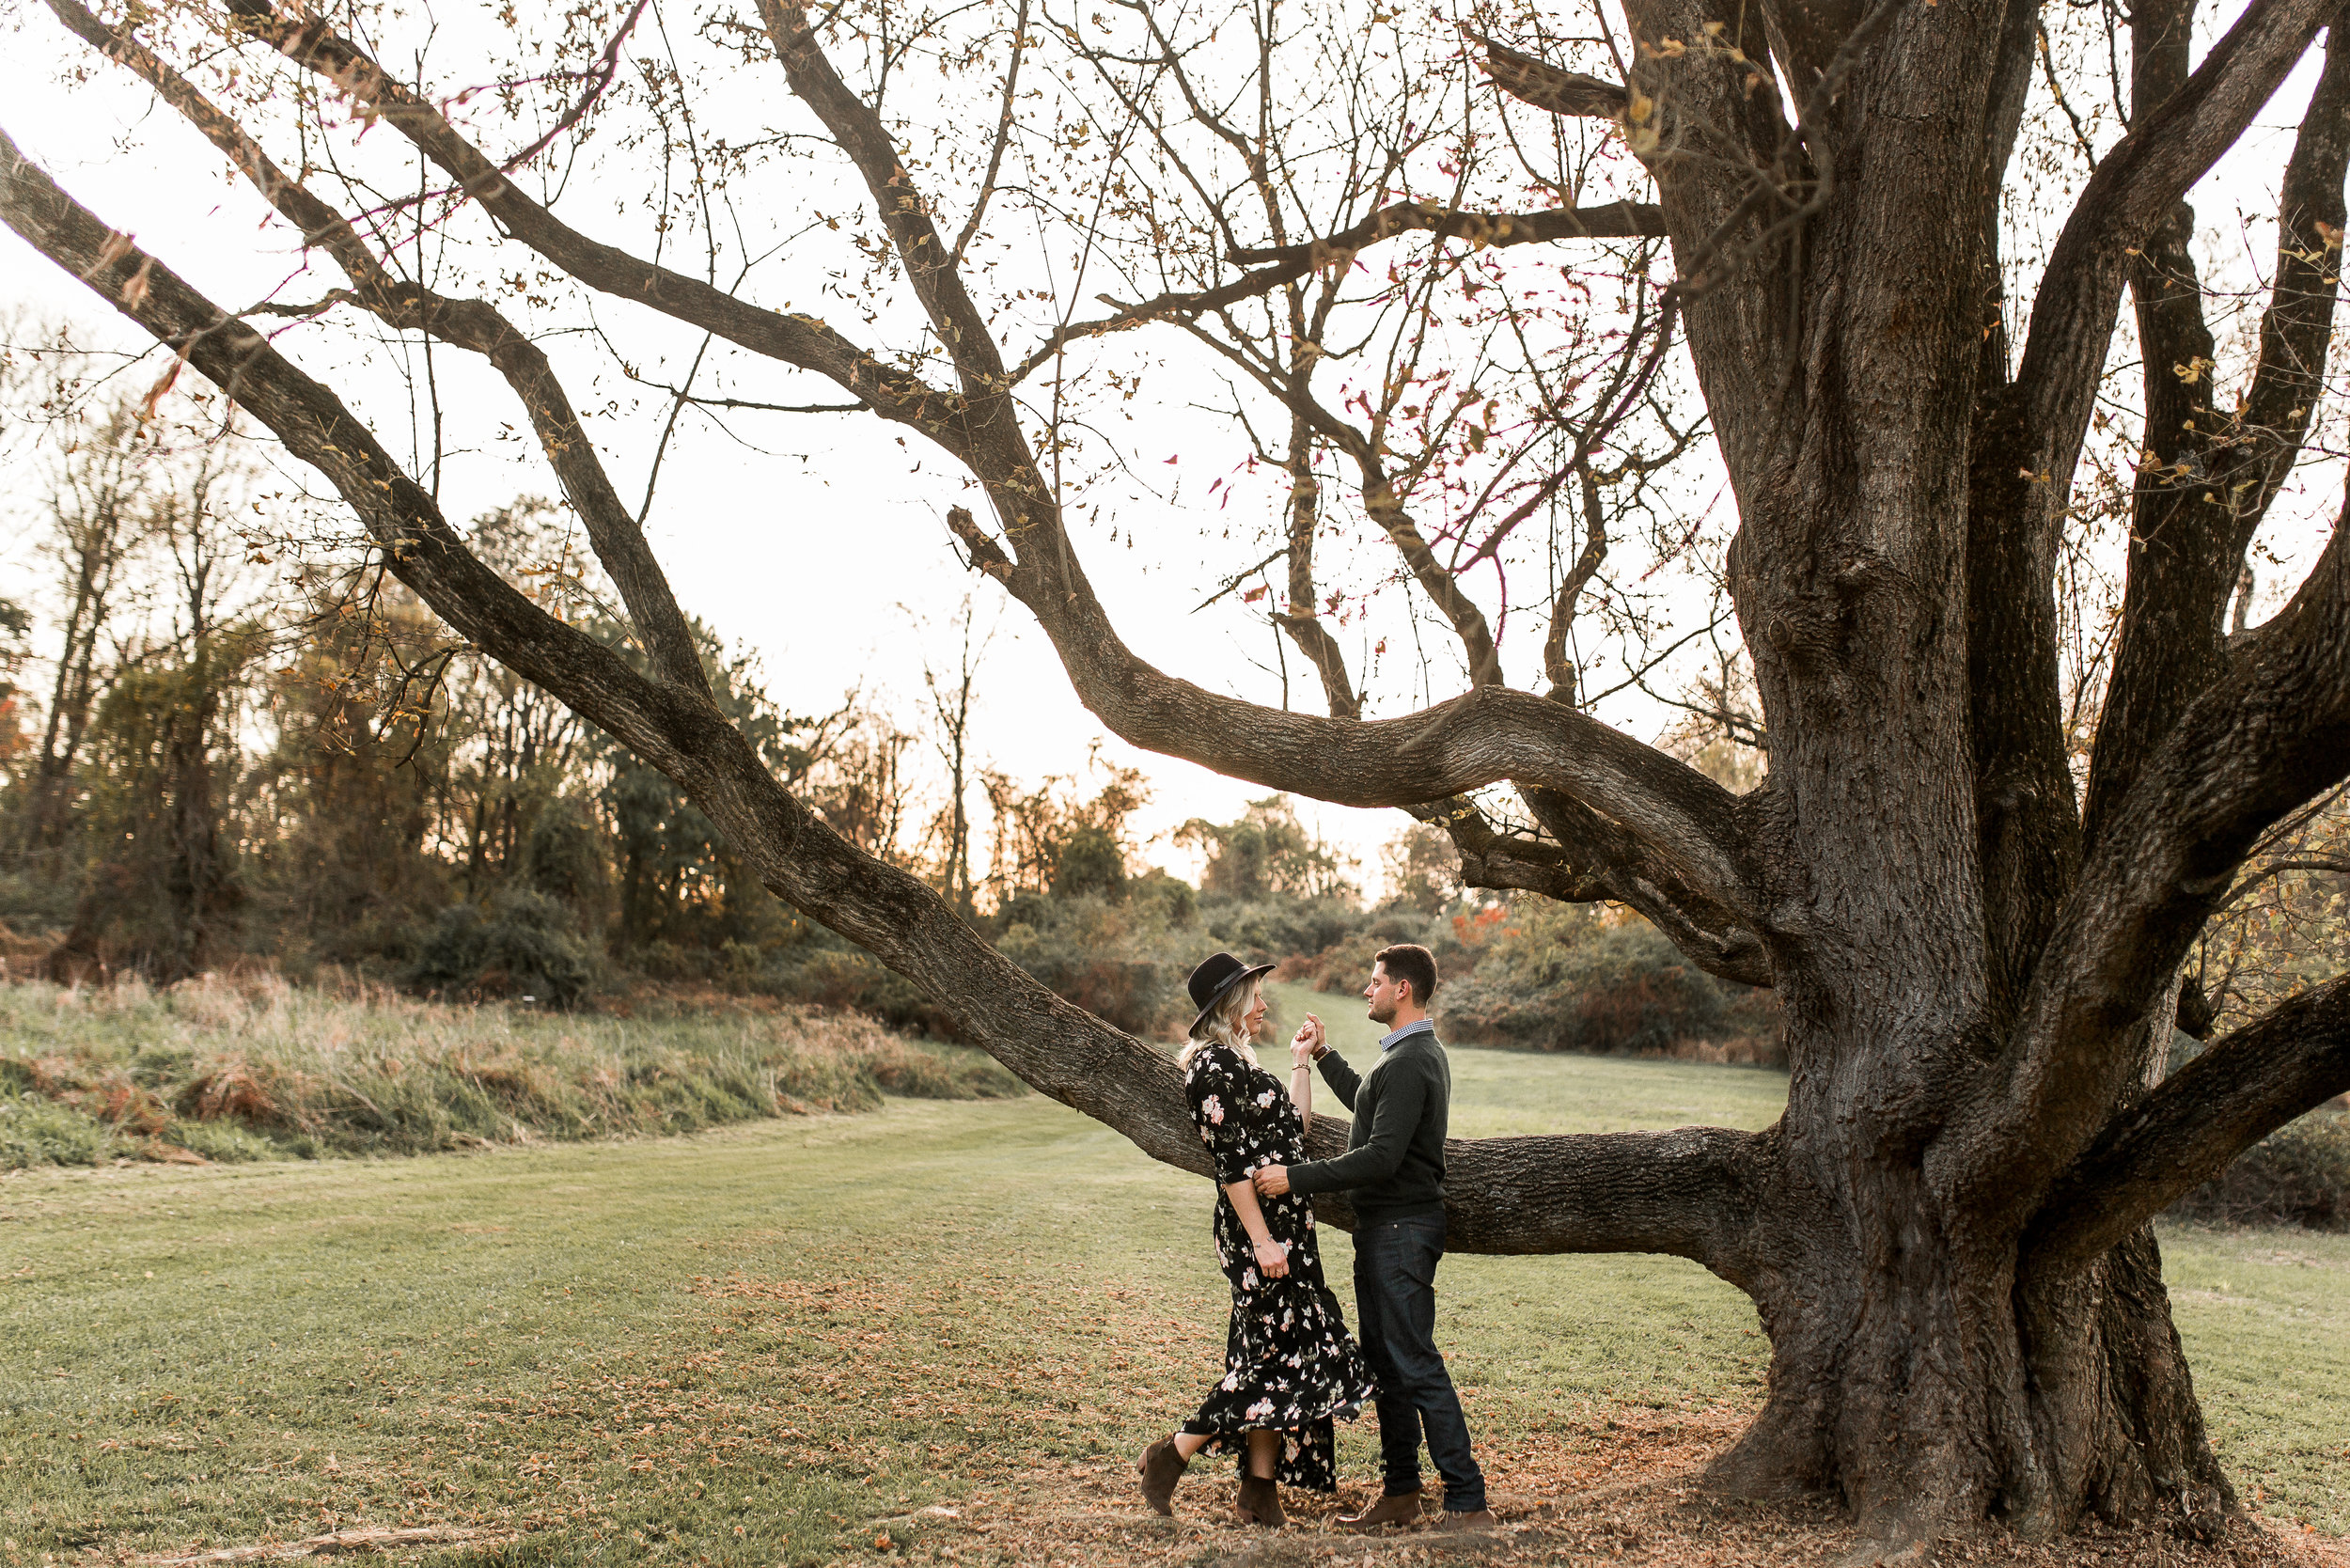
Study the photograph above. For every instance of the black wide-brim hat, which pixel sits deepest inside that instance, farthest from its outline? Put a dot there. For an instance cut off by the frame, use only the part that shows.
(1213, 980)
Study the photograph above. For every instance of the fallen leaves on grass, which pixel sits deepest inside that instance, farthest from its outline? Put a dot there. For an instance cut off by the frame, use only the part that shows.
(1619, 1488)
(359, 1539)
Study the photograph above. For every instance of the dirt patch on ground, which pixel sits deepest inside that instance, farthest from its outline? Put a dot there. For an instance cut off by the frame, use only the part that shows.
(1622, 1490)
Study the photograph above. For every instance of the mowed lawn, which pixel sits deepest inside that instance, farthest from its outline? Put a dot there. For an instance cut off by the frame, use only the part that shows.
(778, 1342)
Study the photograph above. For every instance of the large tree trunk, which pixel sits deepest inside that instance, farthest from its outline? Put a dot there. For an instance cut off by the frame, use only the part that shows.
(1925, 1379)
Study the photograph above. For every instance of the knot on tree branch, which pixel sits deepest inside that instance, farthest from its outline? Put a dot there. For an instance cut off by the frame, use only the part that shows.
(986, 555)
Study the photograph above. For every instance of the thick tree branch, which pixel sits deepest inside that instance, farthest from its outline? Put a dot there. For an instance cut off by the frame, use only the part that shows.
(1549, 87)
(1487, 735)
(2244, 1086)
(1713, 934)
(2198, 504)
(1694, 1192)
(2027, 444)
(2270, 736)
(471, 324)
(1711, 132)
(1593, 860)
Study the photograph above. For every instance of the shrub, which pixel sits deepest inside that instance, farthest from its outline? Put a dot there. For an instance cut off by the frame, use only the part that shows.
(1122, 961)
(224, 1141)
(1562, 979)
(35, 1130)
(525, 945)
(1343, 965)
(1272, 929)
(826, 972)
(2297, 1175)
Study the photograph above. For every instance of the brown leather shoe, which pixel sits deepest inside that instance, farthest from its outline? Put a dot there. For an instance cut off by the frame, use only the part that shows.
(1160, 1468)
(1261, 1502)
(1466, 1518)
(1403, 1508)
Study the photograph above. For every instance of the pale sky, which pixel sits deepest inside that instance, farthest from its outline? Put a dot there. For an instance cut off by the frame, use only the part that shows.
(821, 552)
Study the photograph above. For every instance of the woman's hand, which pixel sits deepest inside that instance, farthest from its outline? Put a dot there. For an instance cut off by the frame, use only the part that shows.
(1306, 1042)
(1273, 1258)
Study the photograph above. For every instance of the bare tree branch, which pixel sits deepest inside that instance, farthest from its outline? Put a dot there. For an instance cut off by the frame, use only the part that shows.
(618, 541)
(1489, 735)
(794, 339)
(1276, 265)
(2132, 188)
(1301, 619)
(1003, 137)
(929, 266)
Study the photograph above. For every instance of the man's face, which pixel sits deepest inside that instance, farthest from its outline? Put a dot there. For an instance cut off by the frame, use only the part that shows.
(1385, 994)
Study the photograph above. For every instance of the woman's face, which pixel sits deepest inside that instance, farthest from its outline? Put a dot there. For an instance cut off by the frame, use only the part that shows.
(1253, 1020)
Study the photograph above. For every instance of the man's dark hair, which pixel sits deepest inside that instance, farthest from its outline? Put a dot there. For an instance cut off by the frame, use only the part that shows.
(1409, 961)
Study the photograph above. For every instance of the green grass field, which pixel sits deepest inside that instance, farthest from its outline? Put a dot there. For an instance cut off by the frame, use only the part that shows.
(777, 1342)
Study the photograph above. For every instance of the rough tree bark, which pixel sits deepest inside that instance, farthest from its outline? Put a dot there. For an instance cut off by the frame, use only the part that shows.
(1947, 1235)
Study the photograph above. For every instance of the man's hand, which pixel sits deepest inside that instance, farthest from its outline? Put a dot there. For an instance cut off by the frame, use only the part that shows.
(1273, 1181)
(1306, 1042)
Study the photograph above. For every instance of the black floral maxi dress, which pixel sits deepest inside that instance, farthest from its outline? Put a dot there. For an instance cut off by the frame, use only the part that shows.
(1289, 1362)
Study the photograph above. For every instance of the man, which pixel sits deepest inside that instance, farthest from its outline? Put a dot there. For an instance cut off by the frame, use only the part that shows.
(1393, 1168)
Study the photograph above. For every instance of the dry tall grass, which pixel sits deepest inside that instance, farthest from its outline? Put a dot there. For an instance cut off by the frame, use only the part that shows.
(250, 1067)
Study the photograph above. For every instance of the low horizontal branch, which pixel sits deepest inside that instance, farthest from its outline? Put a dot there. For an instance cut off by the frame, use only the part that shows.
(1692, 1191)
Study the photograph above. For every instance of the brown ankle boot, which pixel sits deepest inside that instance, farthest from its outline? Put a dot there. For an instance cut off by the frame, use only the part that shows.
(1261, 1502)
(1402, 1509)
(1161, 1467)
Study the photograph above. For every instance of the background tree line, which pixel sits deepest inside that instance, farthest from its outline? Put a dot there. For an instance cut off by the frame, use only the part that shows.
(216, 748)
(220, 750)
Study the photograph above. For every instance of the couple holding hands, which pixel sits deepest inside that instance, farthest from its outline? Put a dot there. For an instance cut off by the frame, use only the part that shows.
(1290, 1366)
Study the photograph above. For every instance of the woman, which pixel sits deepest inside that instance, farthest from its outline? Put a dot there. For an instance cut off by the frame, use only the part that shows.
(1290, 1364)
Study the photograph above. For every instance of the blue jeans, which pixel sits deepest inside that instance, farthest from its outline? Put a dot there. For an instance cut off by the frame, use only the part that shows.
(1395, 1309)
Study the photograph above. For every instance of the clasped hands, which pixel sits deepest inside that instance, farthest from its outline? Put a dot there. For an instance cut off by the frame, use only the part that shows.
(1273, 1181)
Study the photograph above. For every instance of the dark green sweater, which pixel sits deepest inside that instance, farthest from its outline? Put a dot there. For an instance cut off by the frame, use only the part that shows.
(1394, 1160)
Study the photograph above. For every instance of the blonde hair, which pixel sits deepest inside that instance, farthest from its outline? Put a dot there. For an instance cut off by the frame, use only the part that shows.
(1227, 1024)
